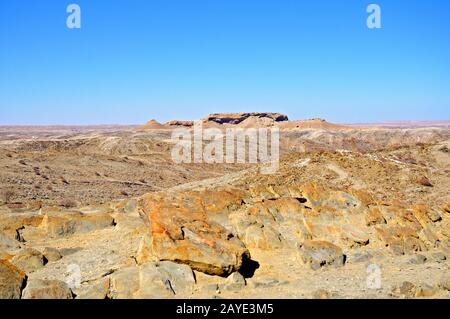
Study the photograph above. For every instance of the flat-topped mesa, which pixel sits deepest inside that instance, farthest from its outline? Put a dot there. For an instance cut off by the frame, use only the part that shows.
(177, 123)
(236, 118)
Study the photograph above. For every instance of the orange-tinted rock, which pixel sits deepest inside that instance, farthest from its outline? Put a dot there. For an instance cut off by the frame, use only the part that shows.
(355, 234)
(374, 217)
(11, 280)
(401, 239)
(29, 260)
(263, 237)
(181, 231)
(425, 215)
(446, 208)
(11, 223)
(62, 224)
(261, 192)
(364, 196)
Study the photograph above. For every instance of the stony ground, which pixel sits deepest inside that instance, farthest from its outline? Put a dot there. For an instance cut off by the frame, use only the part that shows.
(337, 220)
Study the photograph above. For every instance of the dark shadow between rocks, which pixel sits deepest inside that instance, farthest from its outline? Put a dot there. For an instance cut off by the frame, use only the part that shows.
(248, 267)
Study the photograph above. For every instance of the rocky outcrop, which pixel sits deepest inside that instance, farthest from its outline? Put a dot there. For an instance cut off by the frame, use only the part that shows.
(236, 118)
(175, 123)
(321, 253)
(7, 243)
(51, 254)
(62, 224)
(12, 280)
(164, 243)
(183, 230)
(152, 280)
(29, 260)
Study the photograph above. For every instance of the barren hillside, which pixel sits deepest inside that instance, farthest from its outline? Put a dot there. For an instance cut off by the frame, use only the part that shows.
(351, 212)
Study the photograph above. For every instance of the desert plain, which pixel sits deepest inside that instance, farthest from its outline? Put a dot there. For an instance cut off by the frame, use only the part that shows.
(103, 212)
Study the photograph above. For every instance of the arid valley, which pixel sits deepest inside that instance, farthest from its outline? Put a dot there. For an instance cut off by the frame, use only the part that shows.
(103, 212)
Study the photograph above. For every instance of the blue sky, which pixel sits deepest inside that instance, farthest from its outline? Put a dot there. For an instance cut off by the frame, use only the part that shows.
(134, 60)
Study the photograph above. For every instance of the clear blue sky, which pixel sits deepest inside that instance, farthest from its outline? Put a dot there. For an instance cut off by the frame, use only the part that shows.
(134, 60)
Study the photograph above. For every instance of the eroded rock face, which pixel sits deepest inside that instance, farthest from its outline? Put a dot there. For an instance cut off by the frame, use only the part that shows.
(12, 280)
(159, 240)
(400, 239)
(183, 231)
(236, 118)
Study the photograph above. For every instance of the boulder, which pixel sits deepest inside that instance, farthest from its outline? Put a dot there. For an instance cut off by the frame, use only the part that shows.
(355, 235)
(97, 290)
(10, 224)
(321, 253)
(29, 260)
(124, 283)
(235, 281)
(175, 278)
(8, 244)
(152, 281)
(47, 289)
(182, 231)
(51, 254)
(400, 239)
(406, 289)
(263, 237)
(425, 291)
(12, 280)
(425, 215)
(69, 223)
